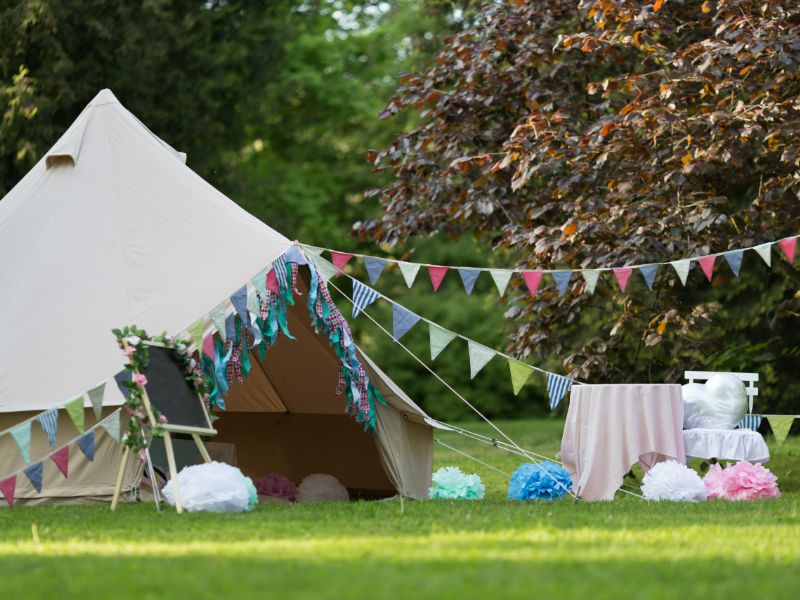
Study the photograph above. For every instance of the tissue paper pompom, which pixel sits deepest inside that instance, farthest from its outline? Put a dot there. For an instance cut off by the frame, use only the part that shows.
(715, 482)
(672, 480)
(320, 487)
(746, 481)
(276, 485)
(213, 487)
(450, 483)
(543, 481)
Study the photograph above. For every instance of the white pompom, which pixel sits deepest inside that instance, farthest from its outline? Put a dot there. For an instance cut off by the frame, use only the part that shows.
(210, 487)
(672, 480)
(320, 487)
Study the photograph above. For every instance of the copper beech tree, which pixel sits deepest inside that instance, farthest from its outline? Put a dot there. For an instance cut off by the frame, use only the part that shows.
(599, 133)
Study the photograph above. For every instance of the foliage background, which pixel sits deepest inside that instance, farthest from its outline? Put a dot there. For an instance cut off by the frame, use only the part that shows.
(277, 102)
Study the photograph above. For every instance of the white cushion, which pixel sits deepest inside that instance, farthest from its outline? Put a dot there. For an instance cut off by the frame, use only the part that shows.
(726, 444)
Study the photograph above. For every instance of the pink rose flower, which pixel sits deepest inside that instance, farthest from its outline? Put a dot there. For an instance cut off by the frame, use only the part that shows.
(140, 379)
(129, 351)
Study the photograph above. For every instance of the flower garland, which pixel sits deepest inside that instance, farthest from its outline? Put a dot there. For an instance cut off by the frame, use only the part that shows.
(131, 339)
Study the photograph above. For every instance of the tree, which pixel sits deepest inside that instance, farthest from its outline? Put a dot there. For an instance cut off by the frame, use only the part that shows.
(609, 133)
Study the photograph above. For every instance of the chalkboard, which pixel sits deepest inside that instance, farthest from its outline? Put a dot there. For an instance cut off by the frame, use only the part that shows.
(174, 397)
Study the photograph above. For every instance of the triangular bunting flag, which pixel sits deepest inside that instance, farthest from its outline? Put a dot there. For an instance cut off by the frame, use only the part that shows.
(34, 475)
(208, 347)
(22, 435)
(409, 271)
(363, 296)
(324, 268)
(649, 274)
(402, 320)
(86, 444)
(61, 458)
(295, 255)
(260, 283)
(682, 268)
(340, 260)
(313, 250)
(781, 424)
(590, 276)
(751, 422)
(218, 319)
(532, 279)
(707, 264)
(195, 330)
(765, 252)
(111, 425)
(468, 278)
(374, 267)
(437, 274)
(239, 301)
(788, 245)
(622, 274)
(501, 279)
(734, 260)
(253, 303)
(74, 409)
(7, 486)
(230, 327)
(562, 280)
(96, 398)
(439, 339)
(520, 372)
(557, 386)
(479, 355)
(49, 422)
(273, 285)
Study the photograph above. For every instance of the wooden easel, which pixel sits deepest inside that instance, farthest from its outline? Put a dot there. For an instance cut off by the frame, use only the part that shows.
(173, 471)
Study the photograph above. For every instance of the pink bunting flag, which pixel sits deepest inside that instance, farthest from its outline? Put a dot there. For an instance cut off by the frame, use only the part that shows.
(340, 259)
(272, 282)
(437, 274)
(61, 458)
(532, 279)
(208, 347)
(788, 245)
(7, 486)
(623, 274)
(707, 264)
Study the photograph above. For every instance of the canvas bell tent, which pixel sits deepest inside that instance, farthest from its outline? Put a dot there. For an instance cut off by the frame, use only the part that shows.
(111, 228)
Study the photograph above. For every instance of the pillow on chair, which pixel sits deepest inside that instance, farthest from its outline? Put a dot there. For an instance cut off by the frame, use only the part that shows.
(719, 403)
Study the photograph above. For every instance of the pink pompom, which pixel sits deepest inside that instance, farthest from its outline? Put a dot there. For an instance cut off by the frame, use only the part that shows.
(748, 481)
(276, 486)
(715, 482)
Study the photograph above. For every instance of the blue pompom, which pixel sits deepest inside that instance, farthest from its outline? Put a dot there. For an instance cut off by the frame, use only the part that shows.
(543, 481)
(450, 483)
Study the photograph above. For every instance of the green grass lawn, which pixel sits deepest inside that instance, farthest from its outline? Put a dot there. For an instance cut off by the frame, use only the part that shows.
(442, 549)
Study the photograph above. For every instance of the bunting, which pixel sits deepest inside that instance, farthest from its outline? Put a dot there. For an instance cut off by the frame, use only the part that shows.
(501, 279)
(7, 486)
(22, 436)
(340, 259)
(86, 444)
(468, 278)
(734, 260)
(111, 425)
(409, 271)
(765, 252)
(649, 274)
(75, 411)
(402, 320)
(259, 283)
(439, 338)
(374, 268)
(707, 265)
(751, 422)
(590, 276)
(61, 459)
(363, 296)
(557, 386)
(562, 280)
(780, 424)
(788, 246)
(437, 274)
(532, 279)
(520, 373)
(49, 422)
(217, 316)
(682, 269)
(96, 398)
(623, 274)
(34, 474)
(195, 330)
(479, 357)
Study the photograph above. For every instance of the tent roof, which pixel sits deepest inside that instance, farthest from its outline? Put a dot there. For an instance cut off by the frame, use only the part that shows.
(109, 229)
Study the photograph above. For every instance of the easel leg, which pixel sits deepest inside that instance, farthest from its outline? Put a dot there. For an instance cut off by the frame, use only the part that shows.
(201, 447)
(120, 475)
(173, 472)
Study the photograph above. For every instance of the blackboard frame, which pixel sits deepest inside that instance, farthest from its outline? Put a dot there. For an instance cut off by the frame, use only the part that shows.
(177, 428)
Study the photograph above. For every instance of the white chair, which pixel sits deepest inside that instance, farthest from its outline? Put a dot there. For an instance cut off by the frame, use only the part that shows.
(726, 444)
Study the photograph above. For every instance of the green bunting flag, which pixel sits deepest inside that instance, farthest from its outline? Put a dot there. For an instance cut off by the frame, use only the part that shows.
(478, 357)
(590, 276)
(501, 279)
(75, 411)
(195, 331)
(22, 435)
(781, 424)
(218, 319)
(325, 268)
(96, 396)
(520, 372)
(111, 425)
(439, 339)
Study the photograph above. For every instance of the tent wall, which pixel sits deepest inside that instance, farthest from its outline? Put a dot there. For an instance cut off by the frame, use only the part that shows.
(406, 452)
(87, 481)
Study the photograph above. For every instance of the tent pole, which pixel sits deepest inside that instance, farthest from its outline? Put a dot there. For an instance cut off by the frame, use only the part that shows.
(120, 475)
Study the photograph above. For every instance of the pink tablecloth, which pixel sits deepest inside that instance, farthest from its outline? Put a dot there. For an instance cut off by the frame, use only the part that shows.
(610, 428)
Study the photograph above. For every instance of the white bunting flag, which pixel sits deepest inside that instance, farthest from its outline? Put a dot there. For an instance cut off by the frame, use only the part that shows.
(96, 397)
(501, 279)
(682, 268)
(765, 252)
(590, 276)
(439, 339)
(409, 271)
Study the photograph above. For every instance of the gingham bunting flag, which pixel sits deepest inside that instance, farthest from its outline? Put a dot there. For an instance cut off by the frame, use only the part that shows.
(557, 386)
(363, 296)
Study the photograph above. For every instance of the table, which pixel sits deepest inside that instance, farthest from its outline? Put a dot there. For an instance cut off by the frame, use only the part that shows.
(611, 427)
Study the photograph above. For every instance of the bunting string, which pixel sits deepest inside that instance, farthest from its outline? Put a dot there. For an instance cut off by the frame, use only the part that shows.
(561, 277)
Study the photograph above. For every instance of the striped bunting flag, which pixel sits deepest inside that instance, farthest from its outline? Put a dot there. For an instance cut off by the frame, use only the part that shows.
(751, 422)
(279, 266)
(557, 386)
(49, 422)
(363, 296)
